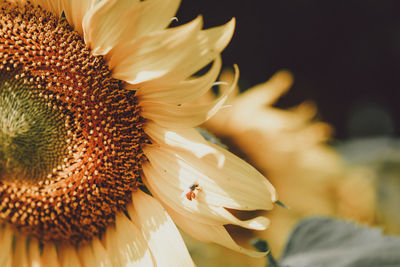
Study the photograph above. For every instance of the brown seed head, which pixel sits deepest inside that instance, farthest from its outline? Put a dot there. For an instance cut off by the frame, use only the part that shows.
(70, 134)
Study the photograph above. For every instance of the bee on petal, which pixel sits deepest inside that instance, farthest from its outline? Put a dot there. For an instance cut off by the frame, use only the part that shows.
(192, 191)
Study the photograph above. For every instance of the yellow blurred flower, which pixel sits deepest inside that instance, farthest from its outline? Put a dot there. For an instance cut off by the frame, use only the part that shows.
(289, 147)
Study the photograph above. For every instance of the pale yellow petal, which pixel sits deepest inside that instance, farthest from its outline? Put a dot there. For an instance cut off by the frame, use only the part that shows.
(34, 253)
(219, 169)
(182, 92)
(125, 244)
(185, 115)
(210, 44)
(170, 177)
(210, 233)
(159, 231)
(113, 22)
(6, 238)
(182, 140)
(105, 23)
(75, 11)
(154, 55)
(54, 6)
(49, 256)
(20, 255)
(267, 93)
(68, 256)
(94, 254)
(154, 15)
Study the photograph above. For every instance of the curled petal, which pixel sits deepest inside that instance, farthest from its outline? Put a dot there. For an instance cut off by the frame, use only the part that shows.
(210, 44)
(210, 233)
(169, 180)
(185, 115)
(183, 92)
(222, 170)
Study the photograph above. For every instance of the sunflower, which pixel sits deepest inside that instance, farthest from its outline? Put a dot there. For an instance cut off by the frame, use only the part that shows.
(98, 155)
(288, 145)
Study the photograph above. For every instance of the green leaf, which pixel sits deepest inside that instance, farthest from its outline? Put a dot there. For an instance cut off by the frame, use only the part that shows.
(325, 242)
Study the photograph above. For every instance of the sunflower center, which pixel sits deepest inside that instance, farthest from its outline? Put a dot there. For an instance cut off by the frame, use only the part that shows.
(32, 136)
(70, 135)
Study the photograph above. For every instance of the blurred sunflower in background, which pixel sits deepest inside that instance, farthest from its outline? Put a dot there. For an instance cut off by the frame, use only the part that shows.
(290, 147)
(98, 154)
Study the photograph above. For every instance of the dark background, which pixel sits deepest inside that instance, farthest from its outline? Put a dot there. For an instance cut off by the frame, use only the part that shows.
(344, 54)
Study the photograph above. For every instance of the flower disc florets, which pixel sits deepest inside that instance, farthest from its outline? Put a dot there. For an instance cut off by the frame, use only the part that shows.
(70, 135)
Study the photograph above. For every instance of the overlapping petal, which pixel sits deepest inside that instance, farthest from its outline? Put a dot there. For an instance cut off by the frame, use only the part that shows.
(94, 254)
(68, 256)
(186, 115)
(126, 245)
(189, 55)
(155, 54)
(211, 233)
(75, 12)
(182, 92)
(159, 231)
(180, 158)
(120, 21)
(229, 173)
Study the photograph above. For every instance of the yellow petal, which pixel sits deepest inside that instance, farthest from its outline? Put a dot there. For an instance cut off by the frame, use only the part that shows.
(113, 22)
(54, 6)
(34, 253)
(222, 172)
(49, 256)
(159, 231)
(103, 25)
(75, 11)
(154, 15)
(182, 92)
(268, 92)
(182, 140)
(125, 244)
(6, 238)
(185, 115)
(210, 233)
(94, 254)
(20, 255)
(169, 179)
(154, 55)
(68, 256)
(210, 44)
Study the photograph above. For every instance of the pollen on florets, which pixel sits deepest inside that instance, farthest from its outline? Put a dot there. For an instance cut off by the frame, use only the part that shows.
(71, 135)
